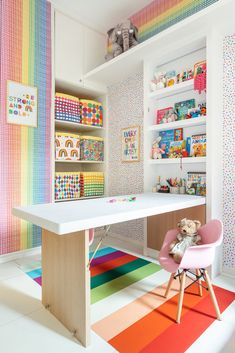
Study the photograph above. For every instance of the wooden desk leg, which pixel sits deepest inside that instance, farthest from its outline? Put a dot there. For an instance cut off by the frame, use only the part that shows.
(66, 281)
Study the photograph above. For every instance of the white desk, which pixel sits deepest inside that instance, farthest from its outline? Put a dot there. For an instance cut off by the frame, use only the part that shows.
(65, 247)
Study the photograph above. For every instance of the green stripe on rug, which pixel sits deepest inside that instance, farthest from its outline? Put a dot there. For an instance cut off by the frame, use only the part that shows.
(117, 272)
(122, 282)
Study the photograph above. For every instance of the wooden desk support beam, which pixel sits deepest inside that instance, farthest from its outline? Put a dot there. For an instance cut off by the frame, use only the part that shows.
(66, 281)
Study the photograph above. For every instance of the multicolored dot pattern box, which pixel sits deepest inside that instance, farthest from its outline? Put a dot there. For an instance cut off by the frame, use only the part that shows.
(67, 185)
(67, 146)
(92, 148)
(67, 108)
(91, 112)
(92, 184)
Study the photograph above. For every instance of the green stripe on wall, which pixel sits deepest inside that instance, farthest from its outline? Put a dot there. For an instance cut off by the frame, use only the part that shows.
(117, 272)
(122, 282)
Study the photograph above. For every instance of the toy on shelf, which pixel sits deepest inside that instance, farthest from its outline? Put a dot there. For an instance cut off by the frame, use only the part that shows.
(125, 199)
(92, 148)
(92, 184)
(171, 78)
(91, 112)
(67, 108)
(157, 152)
(166, 115)
(159, 80)
(67, 185)
(67, 146)
(200, 73)
(198, 145)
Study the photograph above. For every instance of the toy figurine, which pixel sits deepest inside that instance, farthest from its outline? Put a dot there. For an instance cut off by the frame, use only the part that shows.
(160, 80)
(157, 152)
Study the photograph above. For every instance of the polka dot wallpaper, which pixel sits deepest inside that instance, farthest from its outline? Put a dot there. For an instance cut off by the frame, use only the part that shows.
(229, 152)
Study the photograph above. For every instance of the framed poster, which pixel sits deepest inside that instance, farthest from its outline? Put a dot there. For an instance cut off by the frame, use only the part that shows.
(21, 104)
(131, 144)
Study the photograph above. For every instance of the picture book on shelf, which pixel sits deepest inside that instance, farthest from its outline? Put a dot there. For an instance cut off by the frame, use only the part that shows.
(183, 107)
(166, 115)
(178, 149)
(198, 145)
(166, 138)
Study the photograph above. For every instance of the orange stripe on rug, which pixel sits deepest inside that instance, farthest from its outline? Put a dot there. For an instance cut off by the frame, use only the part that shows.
(144, 331)
(109, 265)
(134, 311)
(178, 338)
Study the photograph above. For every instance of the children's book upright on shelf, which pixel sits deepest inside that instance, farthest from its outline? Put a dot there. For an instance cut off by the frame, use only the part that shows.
(198, 145)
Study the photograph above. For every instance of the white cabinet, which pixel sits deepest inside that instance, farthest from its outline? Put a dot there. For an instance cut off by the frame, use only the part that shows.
(78, 49)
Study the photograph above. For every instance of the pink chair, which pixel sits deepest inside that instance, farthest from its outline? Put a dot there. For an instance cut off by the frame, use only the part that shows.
(196, 258)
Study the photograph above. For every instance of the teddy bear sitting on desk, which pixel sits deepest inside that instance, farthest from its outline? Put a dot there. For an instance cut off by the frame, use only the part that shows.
(186, 237)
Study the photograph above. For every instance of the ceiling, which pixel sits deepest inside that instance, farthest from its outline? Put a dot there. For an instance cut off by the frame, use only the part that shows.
(100, 14)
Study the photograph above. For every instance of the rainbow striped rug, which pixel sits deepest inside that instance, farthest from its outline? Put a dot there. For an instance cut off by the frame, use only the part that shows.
(145, 324)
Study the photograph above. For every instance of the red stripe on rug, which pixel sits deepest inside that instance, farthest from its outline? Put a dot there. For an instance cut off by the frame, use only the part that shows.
(109, 265)
(179, 337)
(151, 327)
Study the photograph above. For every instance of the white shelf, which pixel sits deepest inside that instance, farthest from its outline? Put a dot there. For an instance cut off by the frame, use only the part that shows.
(185, 160)
(179, 124)
(60, 124)
(80, 198)
(85, 162)
(172, 90)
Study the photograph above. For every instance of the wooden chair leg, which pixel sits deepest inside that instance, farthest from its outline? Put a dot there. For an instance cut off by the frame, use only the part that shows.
(169, 284)
(212, 294)
(199, 283)
(181, 296)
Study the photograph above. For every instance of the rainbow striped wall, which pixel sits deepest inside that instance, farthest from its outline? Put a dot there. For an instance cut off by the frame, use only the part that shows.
(161, 14)
(25, 157)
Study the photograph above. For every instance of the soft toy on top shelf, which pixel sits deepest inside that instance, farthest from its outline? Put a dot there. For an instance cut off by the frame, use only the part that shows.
(160, 80)
(157, 152)
(187, 236)
(121, 38)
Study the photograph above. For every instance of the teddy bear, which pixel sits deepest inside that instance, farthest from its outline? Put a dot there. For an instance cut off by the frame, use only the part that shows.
(187, 236)
(160, 80)
(197, 150)
(157, 152)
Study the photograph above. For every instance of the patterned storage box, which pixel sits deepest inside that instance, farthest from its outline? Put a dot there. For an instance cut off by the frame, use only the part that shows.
(92, 184)
(67, 108)
(67, 146)
(67, 185)
(91, 112)
(92, 148)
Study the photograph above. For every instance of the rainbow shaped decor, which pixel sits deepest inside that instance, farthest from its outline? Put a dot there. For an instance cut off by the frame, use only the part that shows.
(25, 164)
(161, 14)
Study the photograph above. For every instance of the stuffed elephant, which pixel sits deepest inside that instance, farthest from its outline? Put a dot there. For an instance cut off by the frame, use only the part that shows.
(122, 37)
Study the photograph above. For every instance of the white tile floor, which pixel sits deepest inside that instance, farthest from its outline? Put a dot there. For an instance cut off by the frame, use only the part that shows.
(26, 327)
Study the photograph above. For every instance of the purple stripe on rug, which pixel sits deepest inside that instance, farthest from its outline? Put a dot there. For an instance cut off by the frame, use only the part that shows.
(108, 257)
(38, 280)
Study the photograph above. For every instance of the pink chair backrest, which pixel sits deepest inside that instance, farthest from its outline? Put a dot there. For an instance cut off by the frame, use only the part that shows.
(212, 232)
(91, 235)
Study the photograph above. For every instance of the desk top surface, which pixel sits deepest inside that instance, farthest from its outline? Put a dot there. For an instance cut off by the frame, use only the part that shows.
(68, 217)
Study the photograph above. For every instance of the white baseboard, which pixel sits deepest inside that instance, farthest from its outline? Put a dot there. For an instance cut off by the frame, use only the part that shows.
(152, 253)
(20, 254)
(229, 272)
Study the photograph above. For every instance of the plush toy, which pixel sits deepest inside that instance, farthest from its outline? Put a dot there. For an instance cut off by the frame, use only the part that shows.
(160, 80)
(186, 237)
(157, 152)
(121, 38)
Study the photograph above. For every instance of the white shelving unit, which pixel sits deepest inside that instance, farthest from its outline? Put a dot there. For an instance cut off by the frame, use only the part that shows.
(179, 124)
(80, 162)
(186, 160)
(172, 90)
(67, 125)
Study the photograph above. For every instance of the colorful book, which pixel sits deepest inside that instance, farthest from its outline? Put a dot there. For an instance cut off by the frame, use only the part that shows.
(177, 149)
(162, 115)
(166, 138)
(183, 107)
(198, 145)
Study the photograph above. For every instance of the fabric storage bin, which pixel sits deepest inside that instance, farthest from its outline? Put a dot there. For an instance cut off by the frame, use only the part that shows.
(67, 108)
(92, 148)
(92, 184)
(91, 112)
(67, 185)
(67, 146)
